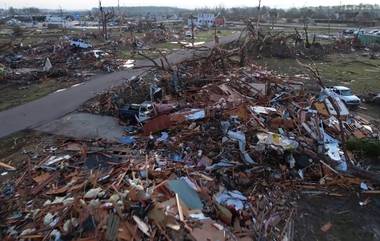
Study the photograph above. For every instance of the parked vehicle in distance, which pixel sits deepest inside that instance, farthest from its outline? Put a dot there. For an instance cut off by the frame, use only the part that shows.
(79, 43)
(188, 34)
(359, 32)
(346, 95)
(348, 31)
(376, 99)
(375, 31)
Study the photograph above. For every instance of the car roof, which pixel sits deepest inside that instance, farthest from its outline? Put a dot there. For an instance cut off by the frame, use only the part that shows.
(341, 88)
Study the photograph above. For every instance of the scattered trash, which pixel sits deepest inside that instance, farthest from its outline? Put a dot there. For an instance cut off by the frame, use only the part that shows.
(142, 226)
(364, 186)
(127, 140)
(186, 193)
(92, 193)
(7, 167)
(47, 66)
(326, 227)
(233, 199)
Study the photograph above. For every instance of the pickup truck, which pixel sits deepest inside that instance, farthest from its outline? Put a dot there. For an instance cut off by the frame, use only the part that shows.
(140, 113)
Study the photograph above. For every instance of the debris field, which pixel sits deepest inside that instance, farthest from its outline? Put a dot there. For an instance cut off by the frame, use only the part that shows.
(213, 155)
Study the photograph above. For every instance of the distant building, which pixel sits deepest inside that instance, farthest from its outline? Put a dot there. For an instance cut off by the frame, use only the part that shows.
(220, 20)
(207, 20)
(55, 21)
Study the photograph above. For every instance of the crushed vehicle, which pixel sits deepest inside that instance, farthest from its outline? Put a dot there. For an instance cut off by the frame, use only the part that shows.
(99, 53)
(143, 112)
(345, 94)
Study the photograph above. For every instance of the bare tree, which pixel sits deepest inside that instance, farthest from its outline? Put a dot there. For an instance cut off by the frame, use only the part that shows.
(258, 18)
(273, 17)
(192, 29)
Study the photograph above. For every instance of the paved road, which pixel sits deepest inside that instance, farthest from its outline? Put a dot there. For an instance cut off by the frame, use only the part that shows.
(58, 104)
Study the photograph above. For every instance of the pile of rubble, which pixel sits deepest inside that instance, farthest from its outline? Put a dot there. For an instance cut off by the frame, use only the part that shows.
(56, 59)
(224, 160)
(300, 44)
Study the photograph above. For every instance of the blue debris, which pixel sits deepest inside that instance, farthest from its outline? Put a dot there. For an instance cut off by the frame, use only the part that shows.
(164, 137)
(127, 140)
(176, 157)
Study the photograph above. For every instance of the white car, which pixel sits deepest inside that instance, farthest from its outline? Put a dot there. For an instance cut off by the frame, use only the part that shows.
(346, 95)
(188, 34)
(79, 43)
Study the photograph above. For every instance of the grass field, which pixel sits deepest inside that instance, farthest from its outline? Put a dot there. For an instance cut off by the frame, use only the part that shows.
(14, 95)
(168, 47)
(359, 73)
(353, 70)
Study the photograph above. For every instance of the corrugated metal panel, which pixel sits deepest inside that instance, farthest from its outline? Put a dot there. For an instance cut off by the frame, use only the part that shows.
(157, 124)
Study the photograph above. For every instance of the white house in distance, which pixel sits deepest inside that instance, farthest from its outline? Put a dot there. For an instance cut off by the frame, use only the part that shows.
(55, 21)
(207, 20)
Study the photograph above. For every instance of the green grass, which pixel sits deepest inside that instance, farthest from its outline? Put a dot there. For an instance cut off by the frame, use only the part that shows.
(353, 70)
(360, 73)
(11, 95)
(168, 47)
(12, 143)
(208, 36)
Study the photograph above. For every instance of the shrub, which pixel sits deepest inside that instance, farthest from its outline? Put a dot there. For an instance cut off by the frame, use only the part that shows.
(366, 147)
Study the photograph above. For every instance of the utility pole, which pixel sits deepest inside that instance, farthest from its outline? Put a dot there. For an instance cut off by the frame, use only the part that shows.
(62, 19)
(258, 19)
(216, 38)
(192, 29)
(100, 15)
(119, 13)
(328, 13)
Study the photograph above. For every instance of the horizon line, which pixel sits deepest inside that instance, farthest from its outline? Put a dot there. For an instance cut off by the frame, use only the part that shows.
(184, 8)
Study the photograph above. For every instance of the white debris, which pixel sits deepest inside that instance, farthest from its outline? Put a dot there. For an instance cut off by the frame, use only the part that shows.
(51, 220)
(47, 66)
(27, 231)
(55, 235)
(364, 186)
(54, 159)
(70, 224)
(114, 198)
(141, 225)
(92, 193)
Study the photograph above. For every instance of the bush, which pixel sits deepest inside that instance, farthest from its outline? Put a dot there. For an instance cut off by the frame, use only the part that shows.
(366, 147)
(2, 71)
(17, 31)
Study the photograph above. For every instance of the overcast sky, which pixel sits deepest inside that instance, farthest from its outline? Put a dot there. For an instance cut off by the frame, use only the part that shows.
(87, 4)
